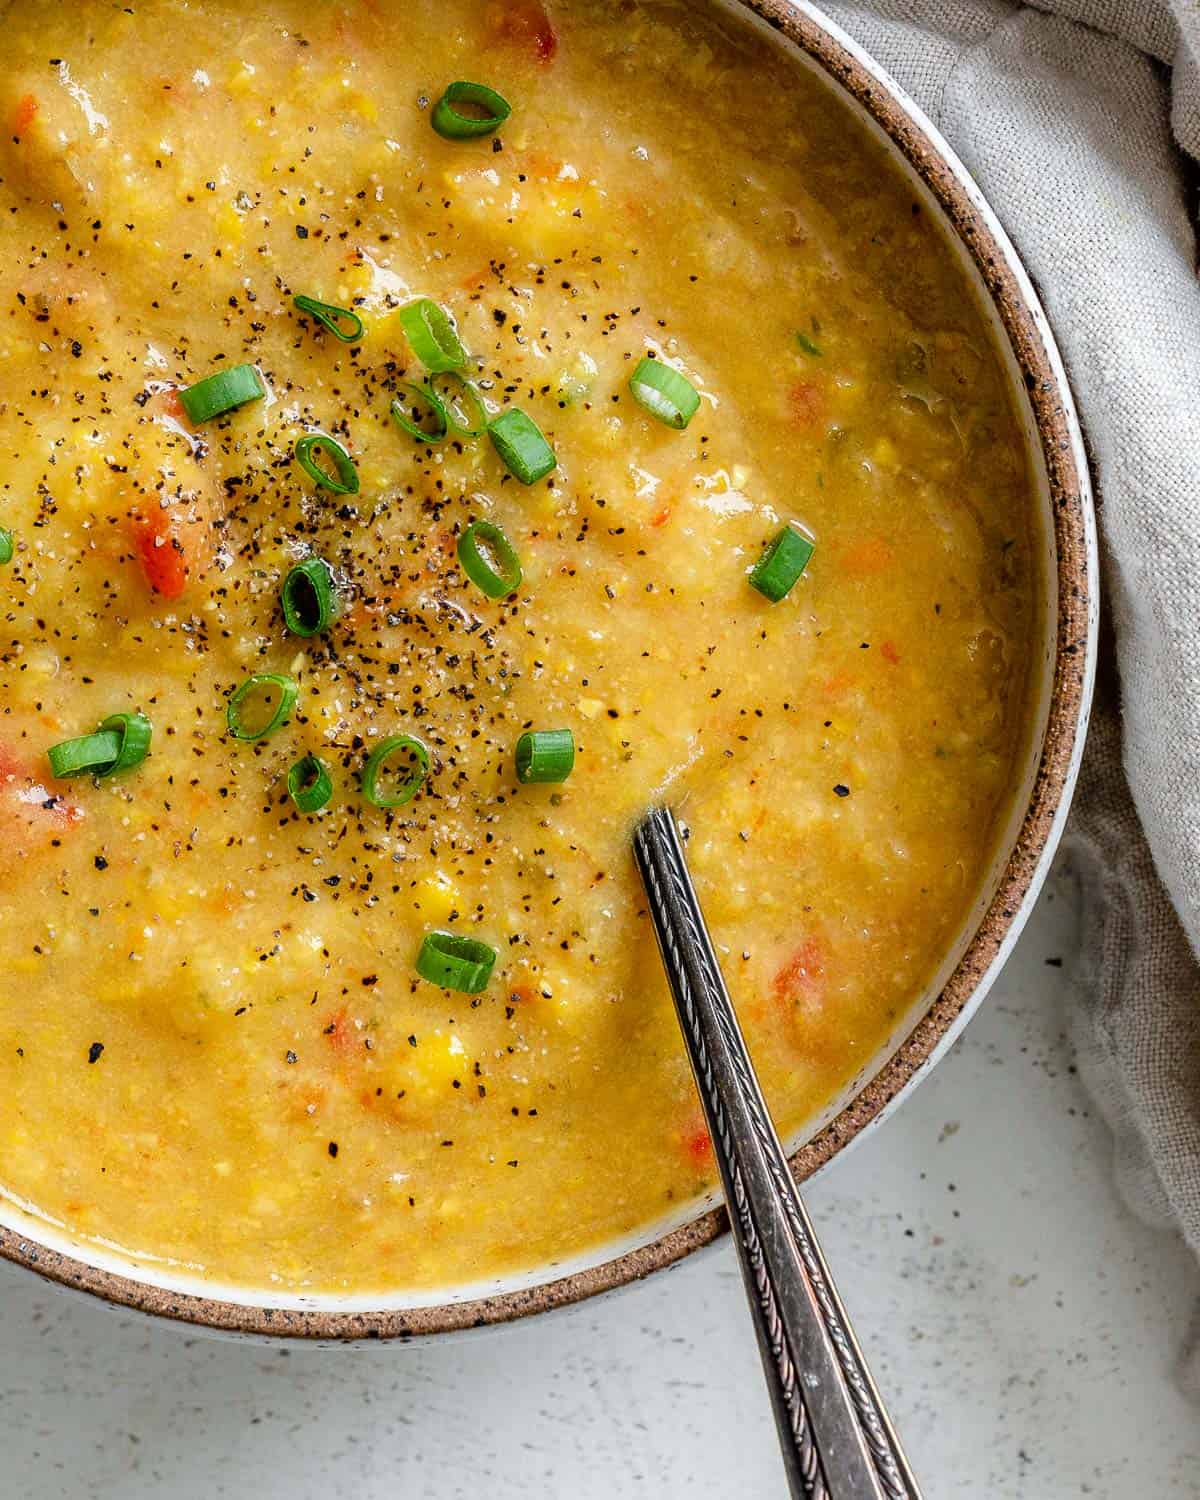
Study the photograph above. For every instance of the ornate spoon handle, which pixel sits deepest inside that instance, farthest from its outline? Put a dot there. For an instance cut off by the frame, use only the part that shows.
(838, 1442)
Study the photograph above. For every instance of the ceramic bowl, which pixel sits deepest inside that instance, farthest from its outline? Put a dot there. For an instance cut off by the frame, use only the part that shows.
(1066, 665)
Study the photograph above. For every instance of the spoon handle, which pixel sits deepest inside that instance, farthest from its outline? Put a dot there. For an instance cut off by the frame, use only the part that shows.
(838, 1442)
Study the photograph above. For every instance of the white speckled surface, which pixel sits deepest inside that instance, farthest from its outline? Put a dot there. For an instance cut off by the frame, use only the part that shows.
(1022, 1324)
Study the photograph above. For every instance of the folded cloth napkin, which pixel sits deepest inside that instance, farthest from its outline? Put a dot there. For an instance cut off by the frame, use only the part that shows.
(1080, 120)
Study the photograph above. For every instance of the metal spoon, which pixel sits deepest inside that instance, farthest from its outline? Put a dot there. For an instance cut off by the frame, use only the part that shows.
(838, 1442)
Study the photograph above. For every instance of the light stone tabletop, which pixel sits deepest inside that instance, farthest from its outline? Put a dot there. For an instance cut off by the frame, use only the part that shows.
(1023, 1327)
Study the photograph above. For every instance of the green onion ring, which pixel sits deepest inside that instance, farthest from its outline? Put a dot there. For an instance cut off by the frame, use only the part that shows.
(346, 481)
(261, 685)
(455, 963)
(376, 765)
(519, 442)
(664, 393)
(135, 731)
(782, 563)
(455, 126)
(225, 391)
(466, 395)
(498, 577)
(6, 546)
(307, 597)
(121, 742)
(545, 755)
(430, 397)
(432, 335)
(91, 754)
(309, 784)
(343, 322)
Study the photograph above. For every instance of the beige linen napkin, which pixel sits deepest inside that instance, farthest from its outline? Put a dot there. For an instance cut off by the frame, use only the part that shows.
(1080, 120)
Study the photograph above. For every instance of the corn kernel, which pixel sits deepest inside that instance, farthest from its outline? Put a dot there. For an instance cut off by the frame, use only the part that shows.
(433, 1065)
(241, 80)
(364, 106)
(229, 225)
(437, 896)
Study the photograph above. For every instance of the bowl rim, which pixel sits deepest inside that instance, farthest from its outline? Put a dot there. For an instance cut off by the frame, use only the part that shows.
(1058, 434)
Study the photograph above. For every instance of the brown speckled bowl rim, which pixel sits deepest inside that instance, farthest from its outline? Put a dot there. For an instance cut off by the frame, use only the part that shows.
(1070, 502)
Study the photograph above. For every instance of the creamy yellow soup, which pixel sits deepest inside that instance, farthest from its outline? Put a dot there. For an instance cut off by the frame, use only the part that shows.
(216, 1050)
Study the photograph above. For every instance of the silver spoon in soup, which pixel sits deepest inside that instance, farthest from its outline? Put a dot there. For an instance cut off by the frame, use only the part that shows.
(838, 1442)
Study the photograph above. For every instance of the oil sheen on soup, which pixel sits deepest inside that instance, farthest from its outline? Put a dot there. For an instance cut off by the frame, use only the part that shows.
(217, 1050)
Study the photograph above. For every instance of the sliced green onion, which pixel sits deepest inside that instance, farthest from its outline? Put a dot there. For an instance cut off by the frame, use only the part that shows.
(414, 429)
(377, 764)
(307, 597)
(493, 109)
(432, 335)
(345, 482)
(135, 731)
(545, 755)
(343, 322)
(6, 546)
(502, 573)
(808, 346)
(91, 754)
(458, 406)
(225, 391)
(121, 742)
(309, 784)
(455, 963)
(274, 695)
(782, 563)
(520, 443)
(664, 392)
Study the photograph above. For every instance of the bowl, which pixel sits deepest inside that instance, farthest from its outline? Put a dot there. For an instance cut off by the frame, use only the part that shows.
(1066, 668)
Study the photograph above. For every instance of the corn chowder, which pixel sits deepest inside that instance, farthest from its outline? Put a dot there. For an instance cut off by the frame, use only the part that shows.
(432, 434)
